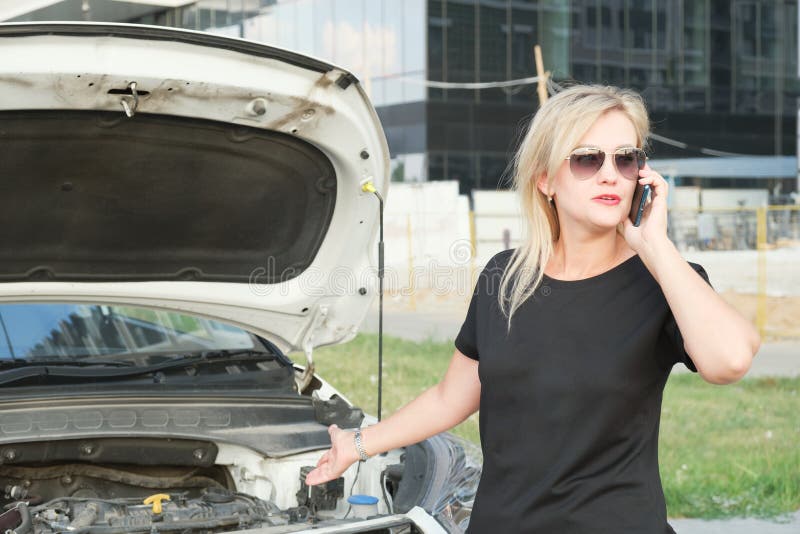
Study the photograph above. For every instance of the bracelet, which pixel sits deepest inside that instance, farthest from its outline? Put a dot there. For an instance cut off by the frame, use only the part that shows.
(362, 454)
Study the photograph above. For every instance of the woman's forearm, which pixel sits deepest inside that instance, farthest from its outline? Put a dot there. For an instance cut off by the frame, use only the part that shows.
(437, 409)
(425, 416)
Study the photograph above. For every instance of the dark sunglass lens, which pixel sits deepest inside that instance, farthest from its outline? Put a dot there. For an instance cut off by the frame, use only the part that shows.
(629, 162)
(585, 164)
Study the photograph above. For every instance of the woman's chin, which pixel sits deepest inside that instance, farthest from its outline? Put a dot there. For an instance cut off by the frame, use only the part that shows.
(606, 223)
(599, 222)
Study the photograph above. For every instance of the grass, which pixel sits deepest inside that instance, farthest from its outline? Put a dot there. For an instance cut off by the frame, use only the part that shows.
(731, 450)
(724, 450)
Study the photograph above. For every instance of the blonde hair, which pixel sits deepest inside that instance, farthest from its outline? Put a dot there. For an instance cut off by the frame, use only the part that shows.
(552, 134)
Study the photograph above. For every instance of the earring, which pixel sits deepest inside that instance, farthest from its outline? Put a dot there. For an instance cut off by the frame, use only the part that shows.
(550, 199)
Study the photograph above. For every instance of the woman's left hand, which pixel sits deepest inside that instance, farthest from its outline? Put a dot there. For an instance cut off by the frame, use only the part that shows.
(652, 229)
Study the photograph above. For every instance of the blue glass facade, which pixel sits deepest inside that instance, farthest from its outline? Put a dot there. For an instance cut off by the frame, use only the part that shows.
(715, 74)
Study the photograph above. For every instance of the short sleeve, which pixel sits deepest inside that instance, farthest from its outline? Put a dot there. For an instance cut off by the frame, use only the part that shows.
(486, 288)
(467, 339)
(673, 333)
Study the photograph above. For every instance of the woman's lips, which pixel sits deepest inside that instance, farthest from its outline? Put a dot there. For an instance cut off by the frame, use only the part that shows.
(608, 200)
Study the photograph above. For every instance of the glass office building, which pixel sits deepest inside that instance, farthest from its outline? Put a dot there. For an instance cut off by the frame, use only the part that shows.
(719, 76)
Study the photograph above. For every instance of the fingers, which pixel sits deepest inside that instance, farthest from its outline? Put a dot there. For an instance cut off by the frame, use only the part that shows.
(325, 458)
(330, 464)
(321, 473)
(316, 477)
(656, 181)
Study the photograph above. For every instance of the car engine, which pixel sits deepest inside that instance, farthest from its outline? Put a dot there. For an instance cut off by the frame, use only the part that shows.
(138, 484)
(44, 497)
(212, 512)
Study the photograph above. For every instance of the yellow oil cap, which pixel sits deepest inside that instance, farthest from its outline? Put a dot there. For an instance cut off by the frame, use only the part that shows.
(155, 500)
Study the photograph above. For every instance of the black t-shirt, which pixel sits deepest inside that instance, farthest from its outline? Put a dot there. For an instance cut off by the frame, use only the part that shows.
(571, 402)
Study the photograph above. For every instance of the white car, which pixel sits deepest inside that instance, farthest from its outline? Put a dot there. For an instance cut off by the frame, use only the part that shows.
(179, 212)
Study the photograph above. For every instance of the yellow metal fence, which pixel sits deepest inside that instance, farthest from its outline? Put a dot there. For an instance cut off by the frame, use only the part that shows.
(738, 228)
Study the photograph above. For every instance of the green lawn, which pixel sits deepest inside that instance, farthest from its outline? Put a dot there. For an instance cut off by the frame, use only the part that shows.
(725, 450)
(731, 450)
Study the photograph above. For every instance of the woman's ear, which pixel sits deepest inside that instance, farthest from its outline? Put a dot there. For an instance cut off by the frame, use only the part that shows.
(541, 184)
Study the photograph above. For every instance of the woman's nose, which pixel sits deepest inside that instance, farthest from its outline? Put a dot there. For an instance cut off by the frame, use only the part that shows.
(608, 171)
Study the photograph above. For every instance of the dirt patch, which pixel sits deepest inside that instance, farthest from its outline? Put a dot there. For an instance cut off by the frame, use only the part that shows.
(782, 313)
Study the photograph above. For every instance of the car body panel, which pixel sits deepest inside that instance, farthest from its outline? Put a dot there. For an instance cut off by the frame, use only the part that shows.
(275, 427)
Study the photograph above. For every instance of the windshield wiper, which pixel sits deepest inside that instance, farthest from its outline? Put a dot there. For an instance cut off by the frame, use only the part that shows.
(28, 362)
(78, 369)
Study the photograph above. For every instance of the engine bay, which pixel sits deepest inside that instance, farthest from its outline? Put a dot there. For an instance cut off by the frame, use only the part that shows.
(149, 485)
(214, 511)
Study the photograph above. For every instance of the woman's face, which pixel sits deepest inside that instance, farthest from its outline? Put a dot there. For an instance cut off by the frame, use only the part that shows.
(578, 200)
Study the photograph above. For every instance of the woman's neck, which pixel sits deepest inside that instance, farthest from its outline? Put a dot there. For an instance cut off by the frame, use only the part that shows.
(576, 259)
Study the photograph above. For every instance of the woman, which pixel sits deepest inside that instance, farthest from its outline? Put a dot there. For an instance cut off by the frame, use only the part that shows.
(568, 363)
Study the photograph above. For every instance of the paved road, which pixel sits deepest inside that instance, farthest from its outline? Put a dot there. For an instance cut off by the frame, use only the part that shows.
(773, 359)
(737, 526)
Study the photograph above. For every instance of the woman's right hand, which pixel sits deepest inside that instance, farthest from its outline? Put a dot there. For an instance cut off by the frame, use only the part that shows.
(339, 457)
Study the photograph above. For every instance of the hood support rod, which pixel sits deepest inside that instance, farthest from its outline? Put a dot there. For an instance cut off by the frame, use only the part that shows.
(368, 187)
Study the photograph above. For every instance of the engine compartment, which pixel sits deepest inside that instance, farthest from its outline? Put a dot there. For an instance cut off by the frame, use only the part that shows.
(103, 485)
(213, 511)
(148, 485)
(44, 483)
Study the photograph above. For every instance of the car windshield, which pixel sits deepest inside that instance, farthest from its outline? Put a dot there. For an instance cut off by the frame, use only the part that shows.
(66, 331)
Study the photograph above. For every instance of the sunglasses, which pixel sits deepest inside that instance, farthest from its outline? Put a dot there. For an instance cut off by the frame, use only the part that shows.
(584, 162)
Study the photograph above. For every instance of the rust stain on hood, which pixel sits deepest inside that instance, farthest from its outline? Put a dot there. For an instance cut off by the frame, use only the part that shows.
(301, 104)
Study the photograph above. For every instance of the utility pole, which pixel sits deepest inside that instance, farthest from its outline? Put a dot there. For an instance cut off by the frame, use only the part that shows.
(541, 74)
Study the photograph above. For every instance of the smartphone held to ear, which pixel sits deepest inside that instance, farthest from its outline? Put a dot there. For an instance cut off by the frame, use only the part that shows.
(639, 202)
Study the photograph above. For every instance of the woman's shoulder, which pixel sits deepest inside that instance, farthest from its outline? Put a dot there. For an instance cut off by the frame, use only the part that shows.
(489, 279)
(498, 263)
(502, 258)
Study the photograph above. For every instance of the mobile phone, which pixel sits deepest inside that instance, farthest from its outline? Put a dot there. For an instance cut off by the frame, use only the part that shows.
(639, 202)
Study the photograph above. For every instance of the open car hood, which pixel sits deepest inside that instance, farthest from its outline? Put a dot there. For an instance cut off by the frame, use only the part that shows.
(191, 172)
